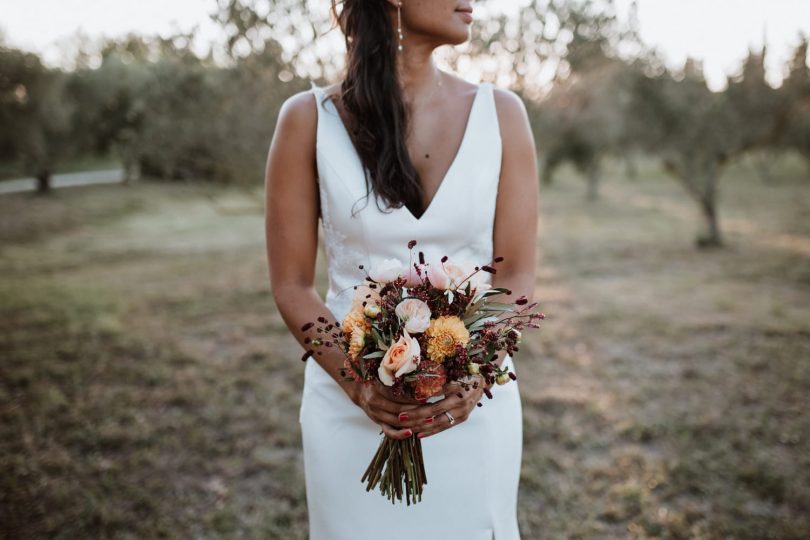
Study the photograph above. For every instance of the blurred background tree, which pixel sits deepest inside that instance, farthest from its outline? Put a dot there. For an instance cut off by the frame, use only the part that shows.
(595, 94)
(35, 115)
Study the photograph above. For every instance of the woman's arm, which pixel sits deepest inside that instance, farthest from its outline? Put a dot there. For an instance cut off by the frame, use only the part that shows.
(518, 204)
(291, 231)
(291, 226)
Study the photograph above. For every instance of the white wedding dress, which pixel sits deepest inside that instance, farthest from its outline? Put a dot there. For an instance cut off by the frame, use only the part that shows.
(473, 468)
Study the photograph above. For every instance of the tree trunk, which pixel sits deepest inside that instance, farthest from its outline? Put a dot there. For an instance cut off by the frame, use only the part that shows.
(131, 172)
(701, 184)
(43, 182)
(708, 207)
(712, 238)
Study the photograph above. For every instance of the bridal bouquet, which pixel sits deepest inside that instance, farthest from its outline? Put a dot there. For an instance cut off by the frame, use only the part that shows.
(415, 328)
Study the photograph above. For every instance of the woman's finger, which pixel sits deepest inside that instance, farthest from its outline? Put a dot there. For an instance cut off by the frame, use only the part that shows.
(417, 416)
(382, 416)
(442, 422)
(381, 402)
(395, 433)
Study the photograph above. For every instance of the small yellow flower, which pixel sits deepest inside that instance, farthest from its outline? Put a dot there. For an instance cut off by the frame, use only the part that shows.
(371, 310)
(443, 334)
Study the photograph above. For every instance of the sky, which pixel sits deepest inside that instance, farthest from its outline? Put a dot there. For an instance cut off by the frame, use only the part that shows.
(719, 32)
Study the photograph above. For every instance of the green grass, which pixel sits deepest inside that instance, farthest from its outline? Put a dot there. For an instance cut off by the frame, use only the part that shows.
(150, 389)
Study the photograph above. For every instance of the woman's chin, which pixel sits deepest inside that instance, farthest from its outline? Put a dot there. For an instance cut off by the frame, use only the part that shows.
(457, 38)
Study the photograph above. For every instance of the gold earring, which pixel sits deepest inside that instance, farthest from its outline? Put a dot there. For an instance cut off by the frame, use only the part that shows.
(399, 26)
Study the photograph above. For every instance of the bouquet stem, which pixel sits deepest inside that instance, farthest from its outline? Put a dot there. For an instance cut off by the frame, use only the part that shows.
(398, 462)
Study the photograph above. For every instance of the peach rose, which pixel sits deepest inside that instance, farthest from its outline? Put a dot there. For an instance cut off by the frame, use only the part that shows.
(415, 313)
(448, 275)
(400, 358)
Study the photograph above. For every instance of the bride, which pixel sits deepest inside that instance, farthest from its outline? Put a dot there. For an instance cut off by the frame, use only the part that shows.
(449, 164)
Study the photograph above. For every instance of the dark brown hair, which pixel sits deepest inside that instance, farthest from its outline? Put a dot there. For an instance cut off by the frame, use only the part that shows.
(377, 117)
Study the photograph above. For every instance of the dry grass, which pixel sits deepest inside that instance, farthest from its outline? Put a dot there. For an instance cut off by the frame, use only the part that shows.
(149, 388)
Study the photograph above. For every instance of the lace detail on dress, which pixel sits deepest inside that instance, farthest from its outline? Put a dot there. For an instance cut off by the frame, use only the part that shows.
(334, 240)
(342, 259)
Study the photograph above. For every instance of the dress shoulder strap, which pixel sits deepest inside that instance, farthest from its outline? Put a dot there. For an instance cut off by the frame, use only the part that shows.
(490, 113)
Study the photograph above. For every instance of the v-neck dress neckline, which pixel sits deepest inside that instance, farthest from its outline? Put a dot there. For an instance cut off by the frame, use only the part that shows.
(468, 128)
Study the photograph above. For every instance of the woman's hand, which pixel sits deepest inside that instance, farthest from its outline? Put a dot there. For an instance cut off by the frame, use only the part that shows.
(429, 419)
(383, 408)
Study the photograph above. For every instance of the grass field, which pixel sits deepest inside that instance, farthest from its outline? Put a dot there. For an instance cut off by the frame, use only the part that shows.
(149, 388)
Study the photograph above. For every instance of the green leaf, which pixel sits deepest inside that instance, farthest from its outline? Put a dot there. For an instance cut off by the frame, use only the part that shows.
(381, 344)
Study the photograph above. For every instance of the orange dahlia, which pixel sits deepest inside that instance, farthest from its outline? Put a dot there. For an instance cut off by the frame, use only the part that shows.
(356, 317)
(443, 334)
(357, 341)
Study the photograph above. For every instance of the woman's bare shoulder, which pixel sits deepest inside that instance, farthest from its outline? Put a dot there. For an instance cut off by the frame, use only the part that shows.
(298, 116)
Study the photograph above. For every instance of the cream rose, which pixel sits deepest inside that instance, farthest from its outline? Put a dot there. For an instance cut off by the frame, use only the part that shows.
(400, 358)
(415, 314)
(387, 270)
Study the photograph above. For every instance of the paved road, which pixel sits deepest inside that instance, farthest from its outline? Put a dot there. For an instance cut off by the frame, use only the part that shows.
(106, 176)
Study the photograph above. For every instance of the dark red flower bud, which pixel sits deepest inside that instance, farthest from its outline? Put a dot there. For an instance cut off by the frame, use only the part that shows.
(512, 376)
(307, 326)
(322, 319)
(307, 355)
(498, 259)
(522, 300)
(444, 258)
(487, 268)
(411, 244)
